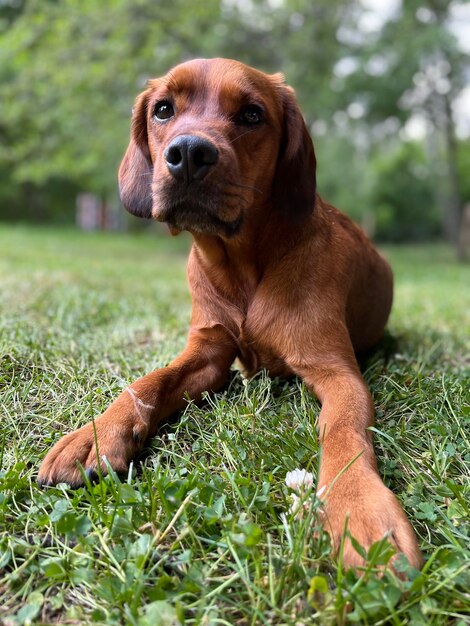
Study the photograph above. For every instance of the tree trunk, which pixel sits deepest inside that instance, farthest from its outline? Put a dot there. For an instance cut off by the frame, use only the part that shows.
(455, 200)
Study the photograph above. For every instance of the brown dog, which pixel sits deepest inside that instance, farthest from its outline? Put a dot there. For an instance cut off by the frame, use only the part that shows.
(279, 279)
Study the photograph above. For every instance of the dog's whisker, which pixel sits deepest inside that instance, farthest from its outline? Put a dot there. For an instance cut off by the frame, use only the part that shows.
(240, 136)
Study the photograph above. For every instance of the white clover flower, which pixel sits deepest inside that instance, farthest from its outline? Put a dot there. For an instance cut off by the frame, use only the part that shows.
(299, 480)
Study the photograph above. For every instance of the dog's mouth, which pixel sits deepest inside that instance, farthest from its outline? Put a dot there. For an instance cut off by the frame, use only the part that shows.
(197, 211)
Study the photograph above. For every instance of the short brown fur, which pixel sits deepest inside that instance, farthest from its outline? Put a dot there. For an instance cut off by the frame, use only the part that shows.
(279, 279)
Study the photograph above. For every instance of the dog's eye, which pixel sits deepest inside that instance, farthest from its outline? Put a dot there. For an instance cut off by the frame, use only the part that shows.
(163, 110)
(251, 114)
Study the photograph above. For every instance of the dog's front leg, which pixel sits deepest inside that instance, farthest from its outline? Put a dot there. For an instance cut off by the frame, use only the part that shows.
(121, 431)
(352, 491)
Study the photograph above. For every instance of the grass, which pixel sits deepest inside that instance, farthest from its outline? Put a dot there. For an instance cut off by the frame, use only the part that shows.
(199, 532)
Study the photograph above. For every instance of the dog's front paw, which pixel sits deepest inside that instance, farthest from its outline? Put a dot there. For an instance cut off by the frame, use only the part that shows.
(114, 440)
(371, 513)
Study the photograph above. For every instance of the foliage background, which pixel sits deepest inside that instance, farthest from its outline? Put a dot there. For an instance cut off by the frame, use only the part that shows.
(383, 85)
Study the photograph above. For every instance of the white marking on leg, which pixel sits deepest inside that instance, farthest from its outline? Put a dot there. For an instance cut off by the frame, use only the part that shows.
(139, 405)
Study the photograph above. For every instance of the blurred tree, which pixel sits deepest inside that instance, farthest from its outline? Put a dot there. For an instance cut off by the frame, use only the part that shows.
(70, 70)
(404, 197)
(464, 169)
(9, 11)
(69, 73)
(345, 176)
(414, 69)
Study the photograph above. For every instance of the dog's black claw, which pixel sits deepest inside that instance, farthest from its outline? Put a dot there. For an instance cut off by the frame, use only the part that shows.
(138, 439)
(91, 474)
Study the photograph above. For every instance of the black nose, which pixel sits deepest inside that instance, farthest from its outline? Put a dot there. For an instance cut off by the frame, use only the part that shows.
(189, 157)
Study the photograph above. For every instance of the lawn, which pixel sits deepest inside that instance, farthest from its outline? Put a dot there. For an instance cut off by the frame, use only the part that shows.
(200, 531)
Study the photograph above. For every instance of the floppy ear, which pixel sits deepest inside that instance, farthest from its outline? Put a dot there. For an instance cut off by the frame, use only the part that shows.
(135, 172)
(294, 185)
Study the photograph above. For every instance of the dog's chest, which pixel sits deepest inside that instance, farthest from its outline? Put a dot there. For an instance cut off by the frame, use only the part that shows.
(256, 354)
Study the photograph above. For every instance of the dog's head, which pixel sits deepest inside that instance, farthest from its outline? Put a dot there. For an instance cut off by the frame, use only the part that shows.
(210, 142)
